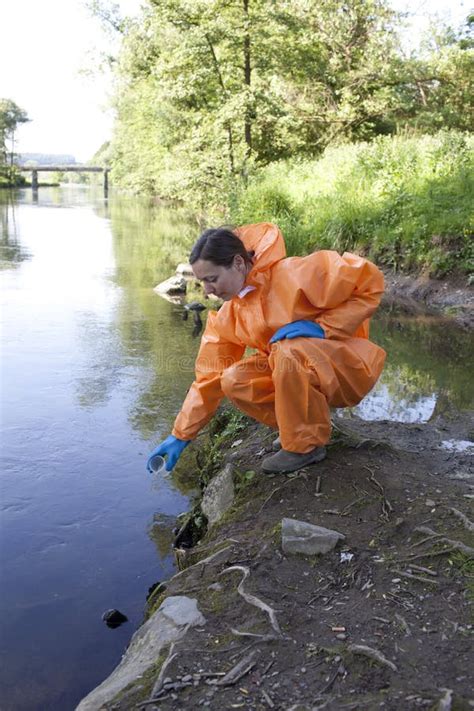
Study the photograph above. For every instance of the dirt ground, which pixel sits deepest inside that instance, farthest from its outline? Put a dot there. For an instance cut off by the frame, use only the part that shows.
(453, 298)
(405, 589)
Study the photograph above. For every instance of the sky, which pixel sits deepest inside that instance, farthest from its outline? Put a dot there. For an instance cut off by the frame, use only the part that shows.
(49, 47)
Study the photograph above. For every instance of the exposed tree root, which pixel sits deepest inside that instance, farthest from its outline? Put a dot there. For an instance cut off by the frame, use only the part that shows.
(252, 599)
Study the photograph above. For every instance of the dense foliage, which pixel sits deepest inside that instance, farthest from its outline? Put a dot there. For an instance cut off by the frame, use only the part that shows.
(11, 116)
(208, 90)
(404, 201)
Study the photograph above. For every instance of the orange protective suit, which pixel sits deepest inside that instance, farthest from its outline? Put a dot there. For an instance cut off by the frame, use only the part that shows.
(291, 384)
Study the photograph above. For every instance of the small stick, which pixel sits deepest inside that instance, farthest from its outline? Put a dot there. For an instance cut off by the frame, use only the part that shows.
(426, 555)
(425, 540)
(237, 672)
(159, 682)
(268, 699)
(372, 654)
(261, 637)
(467, 550)
(424, 570)
(345, 510)
(415, 577)
(467, 523)
(318, 484)
(381, 619)
(268, 667)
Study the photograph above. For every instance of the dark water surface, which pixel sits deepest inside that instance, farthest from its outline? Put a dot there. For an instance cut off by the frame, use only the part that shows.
(94, 368)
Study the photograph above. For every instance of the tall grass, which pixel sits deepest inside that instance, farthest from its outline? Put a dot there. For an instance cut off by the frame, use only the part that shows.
(405, 202)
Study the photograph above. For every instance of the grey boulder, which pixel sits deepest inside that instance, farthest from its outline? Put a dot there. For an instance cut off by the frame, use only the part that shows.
(168, 624)
(172, 286)
(219, 495)
(302, 537)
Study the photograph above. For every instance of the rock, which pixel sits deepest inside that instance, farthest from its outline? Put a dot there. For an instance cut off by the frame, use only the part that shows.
(114, 618)
(185, 270)
(173, 285)
(219, 495)
(302, 537)
(165, 626)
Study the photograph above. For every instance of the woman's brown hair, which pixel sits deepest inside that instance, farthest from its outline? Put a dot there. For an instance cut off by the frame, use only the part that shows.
(219, 245)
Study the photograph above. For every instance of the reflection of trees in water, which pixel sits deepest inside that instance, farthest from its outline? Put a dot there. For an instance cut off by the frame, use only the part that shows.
(426, 357)
(161, 533)
(11, 251)
(405, 382)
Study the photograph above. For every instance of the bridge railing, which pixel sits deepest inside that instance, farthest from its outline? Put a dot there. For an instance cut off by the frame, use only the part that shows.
(35, 169)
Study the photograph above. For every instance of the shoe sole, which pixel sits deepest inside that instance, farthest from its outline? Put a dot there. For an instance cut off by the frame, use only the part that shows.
(317, 457)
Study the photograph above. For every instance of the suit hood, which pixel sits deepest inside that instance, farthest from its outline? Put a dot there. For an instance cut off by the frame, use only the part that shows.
(266, 241)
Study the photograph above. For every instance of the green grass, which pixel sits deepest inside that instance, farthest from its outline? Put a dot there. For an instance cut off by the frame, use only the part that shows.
(405, 202)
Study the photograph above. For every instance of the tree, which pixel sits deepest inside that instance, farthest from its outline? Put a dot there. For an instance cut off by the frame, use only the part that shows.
(209, 88)
(11, 116)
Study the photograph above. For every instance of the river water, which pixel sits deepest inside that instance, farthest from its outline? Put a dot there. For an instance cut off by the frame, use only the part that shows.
(94, 368)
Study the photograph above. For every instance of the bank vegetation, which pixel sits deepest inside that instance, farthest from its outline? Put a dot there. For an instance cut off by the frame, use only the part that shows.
(308, 113)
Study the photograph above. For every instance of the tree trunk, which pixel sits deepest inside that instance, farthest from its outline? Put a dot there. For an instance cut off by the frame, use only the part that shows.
(247, 77)
(224, 90)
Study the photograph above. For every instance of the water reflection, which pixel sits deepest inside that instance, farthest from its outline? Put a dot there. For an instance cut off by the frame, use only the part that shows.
(428, 369)
(95, 369)
(12, 252)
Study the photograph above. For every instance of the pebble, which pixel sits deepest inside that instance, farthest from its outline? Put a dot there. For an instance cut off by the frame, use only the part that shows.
(430, 502)
(341, 636)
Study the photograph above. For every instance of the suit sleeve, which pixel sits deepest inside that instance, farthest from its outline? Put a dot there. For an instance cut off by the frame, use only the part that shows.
(345, 289)
(216, 353)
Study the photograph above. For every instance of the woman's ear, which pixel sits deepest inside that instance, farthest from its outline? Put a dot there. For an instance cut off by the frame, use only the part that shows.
(239, 263)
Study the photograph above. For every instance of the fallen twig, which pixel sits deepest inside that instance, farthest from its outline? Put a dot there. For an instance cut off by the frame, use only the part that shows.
(268, 699)
(261, 637)
(458, 545)
(268, 667)
(387, 507)
(425, 540)
(237, 672)
(318, 485)
(159, 681)
(252, 599)
(372, 654)
(415, 577)
(433, 554)
(424, 570)
(467, 523)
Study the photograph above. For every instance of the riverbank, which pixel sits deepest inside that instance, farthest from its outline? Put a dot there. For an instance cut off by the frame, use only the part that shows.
(452, 298)
(382, 620)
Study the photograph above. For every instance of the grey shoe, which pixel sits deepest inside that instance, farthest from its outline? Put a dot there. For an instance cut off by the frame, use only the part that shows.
(276, 444)
(284, 461)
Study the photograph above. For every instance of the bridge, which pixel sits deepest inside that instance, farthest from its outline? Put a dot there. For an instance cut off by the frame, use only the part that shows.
(35, 169)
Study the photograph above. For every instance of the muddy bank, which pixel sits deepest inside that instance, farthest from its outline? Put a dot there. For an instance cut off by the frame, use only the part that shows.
(384, 620)
(453, 298)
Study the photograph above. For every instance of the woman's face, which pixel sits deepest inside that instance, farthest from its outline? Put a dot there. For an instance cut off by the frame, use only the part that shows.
(224, 282)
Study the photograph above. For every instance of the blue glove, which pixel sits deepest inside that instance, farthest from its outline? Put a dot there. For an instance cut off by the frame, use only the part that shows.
(297, 329)
(172, 448)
